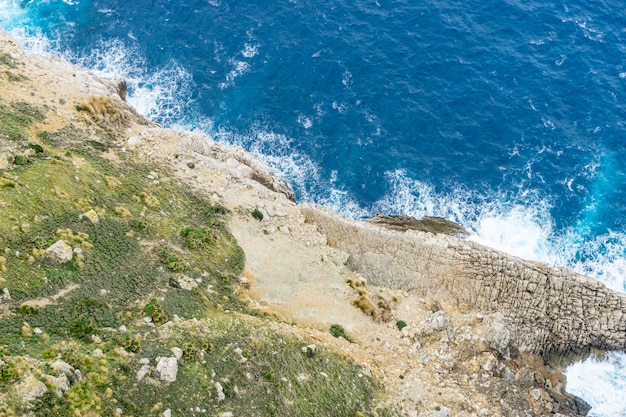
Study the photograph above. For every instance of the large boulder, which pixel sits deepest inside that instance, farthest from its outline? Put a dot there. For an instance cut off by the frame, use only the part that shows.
(59, 252)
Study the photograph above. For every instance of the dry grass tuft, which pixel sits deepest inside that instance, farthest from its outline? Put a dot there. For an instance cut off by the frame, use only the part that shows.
(105, 112)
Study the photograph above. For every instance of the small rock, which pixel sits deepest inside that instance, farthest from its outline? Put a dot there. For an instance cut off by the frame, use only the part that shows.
(144, 361)
(309, 350)
(220, 392)
(90, 215)
(122, 328)
(60, 384)
(60, 366)
(167, 369)
(536, 394)
(133, 140)
(178, 352)
(226, 414)
(184, 282)
(438, 321)
(60, 252)
(284, 229)
(37, 331)
(5, 294)
(142, 372)
(497, 335)
(97, 353)
(167, 413)
(31, 388)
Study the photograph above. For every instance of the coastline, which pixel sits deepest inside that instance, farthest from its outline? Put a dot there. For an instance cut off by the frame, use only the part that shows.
(460, 350)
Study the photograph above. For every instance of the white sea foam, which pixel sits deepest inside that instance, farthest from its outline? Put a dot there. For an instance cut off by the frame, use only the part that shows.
(602, 383)
(238, 68)
(162, 95)
(250, 51)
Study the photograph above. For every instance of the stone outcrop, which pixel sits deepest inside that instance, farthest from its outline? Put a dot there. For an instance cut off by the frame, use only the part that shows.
(547, 310)
(429, 224)
(232, 159)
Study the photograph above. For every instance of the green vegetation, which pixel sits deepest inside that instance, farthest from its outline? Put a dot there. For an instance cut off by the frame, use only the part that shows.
(401, 324)
(256, 213)
(16, 120)
(338, 331)
(134, 241)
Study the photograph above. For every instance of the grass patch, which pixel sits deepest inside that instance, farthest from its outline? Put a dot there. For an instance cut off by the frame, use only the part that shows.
(16, 119)
(140, 239)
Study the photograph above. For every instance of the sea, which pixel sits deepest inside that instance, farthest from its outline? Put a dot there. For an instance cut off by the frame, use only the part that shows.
(506, 116)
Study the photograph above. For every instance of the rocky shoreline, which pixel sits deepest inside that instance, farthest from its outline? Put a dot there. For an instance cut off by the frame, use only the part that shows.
(443, 326)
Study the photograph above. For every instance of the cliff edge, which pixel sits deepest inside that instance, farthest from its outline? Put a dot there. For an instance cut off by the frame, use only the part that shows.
(147, 271)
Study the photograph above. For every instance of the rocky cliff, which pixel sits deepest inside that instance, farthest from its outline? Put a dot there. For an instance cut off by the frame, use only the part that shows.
(548, 310)
(146, 271)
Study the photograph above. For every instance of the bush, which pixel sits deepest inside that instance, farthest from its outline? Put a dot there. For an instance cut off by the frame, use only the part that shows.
(338, 331)
(256, 213)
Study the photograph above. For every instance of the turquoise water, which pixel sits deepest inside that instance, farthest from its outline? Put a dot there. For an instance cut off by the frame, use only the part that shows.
(505, 116)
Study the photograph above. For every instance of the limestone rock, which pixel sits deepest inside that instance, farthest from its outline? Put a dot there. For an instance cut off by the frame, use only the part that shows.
(496, 334)
(548, 310)
(178, 352)
(60, 384)
(31, 388)
(234, 160)
(220, 392)
(184, 282)
(142, 372)
(60, 252)
(438, 321)
(167, 369)
(60, 367)
(90, 215)
(428, 224)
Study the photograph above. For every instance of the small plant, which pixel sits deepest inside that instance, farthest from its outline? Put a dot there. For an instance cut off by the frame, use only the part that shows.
(28, 310)
(35, 147)
(217, 209)
(400, 324)
(131, 343)
(139, 224)
(8, 372)
(270, 376)
(6, 183)
(17, 159)
(198, 237)
(154, 310)
(82, 328)
(190, 351)
(173, 262)
(338, 331)
(256, 213)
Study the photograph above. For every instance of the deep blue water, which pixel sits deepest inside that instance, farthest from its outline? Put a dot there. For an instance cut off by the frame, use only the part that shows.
(506, 116)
